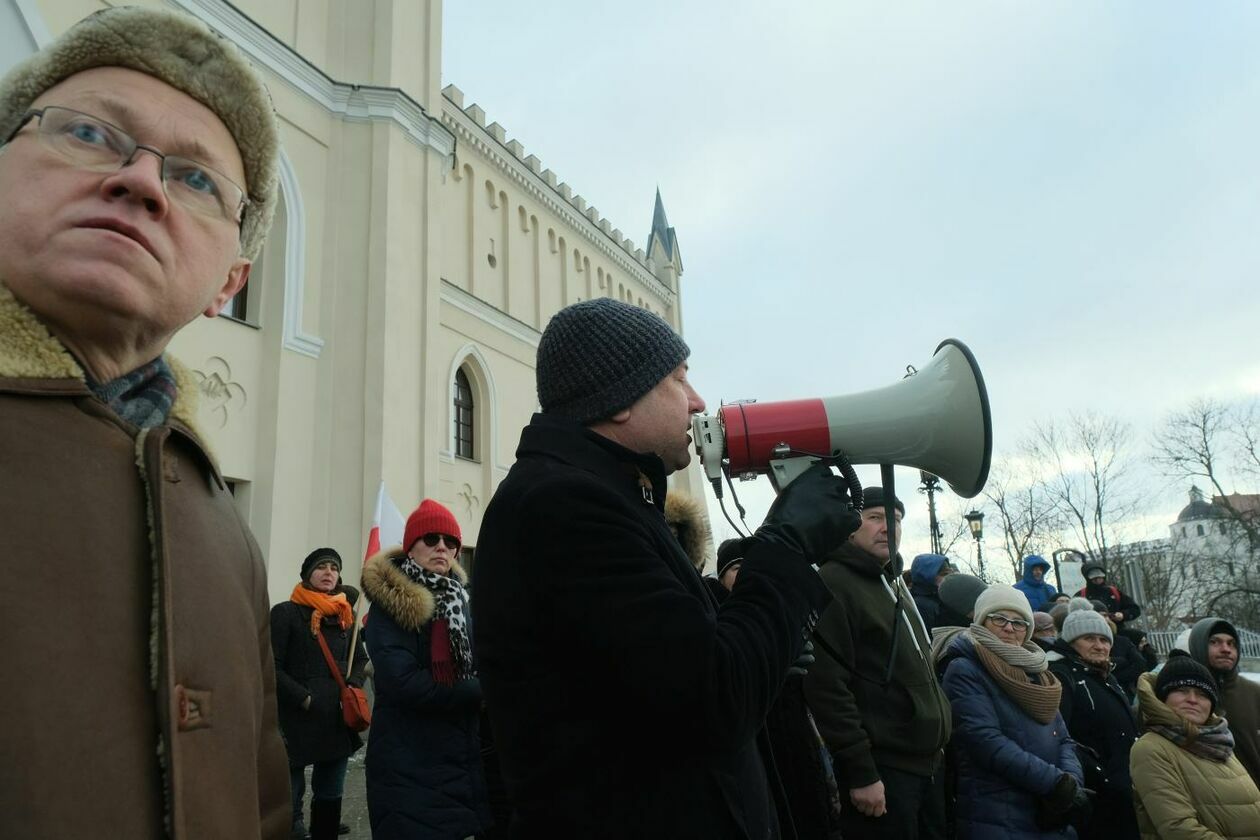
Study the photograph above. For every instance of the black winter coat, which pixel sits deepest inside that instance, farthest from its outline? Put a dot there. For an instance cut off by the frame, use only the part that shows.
(1115, 600)
(624, 703)
(424, 774)
(1100, 719)
(319, 734)
(927, 600)
(1130, 664)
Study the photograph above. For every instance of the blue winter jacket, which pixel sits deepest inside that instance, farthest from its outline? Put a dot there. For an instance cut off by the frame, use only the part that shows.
(1038, 594)
(1006, 759)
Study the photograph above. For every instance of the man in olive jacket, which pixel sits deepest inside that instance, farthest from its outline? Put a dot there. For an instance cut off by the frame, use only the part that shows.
(1214, 644)
(624, 704)
(137, 181)
(873, 692)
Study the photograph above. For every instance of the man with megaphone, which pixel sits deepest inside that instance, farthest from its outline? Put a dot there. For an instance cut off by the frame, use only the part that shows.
(624, 704)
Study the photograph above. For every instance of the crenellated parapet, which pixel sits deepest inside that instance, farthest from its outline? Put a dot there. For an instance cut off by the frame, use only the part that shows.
(468, 123)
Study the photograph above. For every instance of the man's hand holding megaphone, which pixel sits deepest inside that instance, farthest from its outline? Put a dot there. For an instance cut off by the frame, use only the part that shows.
(811, 516)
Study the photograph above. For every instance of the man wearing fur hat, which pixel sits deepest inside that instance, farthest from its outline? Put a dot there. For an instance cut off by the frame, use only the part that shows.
(873, 690)
(1213, 643)
(137, 181)
(624, 704)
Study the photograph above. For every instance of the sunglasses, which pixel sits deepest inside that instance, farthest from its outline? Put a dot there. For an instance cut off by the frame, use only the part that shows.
(431, 540)
(1002, 621)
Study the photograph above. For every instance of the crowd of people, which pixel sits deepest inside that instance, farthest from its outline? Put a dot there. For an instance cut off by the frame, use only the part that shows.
(589, 682)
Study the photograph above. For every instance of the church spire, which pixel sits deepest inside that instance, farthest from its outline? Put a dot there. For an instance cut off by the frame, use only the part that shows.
(663, 235)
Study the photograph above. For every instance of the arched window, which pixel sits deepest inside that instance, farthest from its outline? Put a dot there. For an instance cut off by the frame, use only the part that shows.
(463, 416)
(1199, 529)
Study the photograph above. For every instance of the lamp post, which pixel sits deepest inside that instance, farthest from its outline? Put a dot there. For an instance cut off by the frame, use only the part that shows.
(975, 521)
(930, 484)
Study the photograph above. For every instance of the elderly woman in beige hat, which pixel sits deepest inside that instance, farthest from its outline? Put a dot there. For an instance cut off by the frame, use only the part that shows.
(1018, 775)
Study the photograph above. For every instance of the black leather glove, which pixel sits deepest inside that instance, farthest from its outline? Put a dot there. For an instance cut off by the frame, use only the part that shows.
(1067, 802)
(812, 515)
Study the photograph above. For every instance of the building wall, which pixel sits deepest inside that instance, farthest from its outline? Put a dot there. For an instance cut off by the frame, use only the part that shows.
(413, 239)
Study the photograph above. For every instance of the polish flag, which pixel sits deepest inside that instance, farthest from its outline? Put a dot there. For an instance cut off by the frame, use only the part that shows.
(387, 524)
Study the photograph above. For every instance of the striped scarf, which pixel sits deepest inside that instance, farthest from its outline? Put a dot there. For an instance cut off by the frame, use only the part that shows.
(1214, 742)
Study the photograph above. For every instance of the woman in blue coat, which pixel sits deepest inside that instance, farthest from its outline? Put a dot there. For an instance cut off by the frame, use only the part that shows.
(1018, 775)
(424, 774)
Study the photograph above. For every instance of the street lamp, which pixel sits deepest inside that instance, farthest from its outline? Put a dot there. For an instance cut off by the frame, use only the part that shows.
(930, 484)
(975, 521)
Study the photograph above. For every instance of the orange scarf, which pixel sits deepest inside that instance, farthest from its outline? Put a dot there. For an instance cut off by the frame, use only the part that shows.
(323, 604)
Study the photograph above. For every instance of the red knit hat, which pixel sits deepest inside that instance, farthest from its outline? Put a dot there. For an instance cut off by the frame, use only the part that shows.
(430, 518)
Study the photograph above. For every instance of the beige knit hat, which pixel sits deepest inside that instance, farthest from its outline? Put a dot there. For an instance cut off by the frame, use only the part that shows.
(999, 596)
(188, 56)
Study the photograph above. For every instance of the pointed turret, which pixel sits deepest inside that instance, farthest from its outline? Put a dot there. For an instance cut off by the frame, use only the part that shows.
(662, 246)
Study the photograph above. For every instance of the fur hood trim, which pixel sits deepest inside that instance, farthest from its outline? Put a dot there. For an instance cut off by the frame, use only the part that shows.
(687, 515)
(29, 351)
(388, 588)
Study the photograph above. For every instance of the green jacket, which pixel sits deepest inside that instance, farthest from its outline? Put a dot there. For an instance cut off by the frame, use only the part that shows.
(1180, 796)
(903, 724)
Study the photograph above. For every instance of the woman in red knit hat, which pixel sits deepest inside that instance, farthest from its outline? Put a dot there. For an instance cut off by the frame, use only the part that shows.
(424, 775)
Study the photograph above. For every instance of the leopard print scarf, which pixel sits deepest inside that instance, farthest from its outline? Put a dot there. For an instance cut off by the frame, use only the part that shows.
(450, 644)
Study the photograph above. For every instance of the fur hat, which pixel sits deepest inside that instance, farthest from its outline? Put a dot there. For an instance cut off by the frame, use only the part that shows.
(1083, 623)
(1000, 596)
(1184, 672)
(598, 356)
(430, 518)
(185, 54)
(686, 516)
(316, 557)
(959, 592)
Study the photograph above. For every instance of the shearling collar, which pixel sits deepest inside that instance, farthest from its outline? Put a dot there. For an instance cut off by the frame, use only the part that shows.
(388, 588)
(686, 515)
(28, 351)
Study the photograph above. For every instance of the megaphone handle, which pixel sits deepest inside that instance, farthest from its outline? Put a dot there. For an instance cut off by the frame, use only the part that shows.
(890, 509)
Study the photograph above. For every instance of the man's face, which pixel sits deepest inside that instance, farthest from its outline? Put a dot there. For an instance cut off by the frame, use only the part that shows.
(1222, 652)
(872, 536)
(108, 253)
(660, 421)
(1097, 579)
(1038, 572)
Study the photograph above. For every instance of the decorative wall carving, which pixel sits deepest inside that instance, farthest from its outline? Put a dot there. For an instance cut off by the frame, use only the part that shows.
(220, 395)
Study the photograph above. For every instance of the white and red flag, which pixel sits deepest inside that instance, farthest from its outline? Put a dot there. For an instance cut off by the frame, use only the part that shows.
(387, 524)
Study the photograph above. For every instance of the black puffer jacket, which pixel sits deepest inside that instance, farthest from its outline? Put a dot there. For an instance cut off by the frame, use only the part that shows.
(317, 734)
(424, 773)
(1098, 715)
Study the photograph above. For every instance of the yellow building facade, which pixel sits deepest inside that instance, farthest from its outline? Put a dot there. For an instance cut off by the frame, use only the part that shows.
(390, 326)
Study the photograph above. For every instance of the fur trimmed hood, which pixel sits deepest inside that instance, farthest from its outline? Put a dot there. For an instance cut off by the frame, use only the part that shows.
(388, 588)
(686, 516)
(29, 351)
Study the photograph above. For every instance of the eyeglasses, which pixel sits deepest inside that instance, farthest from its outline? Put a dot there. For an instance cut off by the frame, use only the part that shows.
(1004, 622)
(431, 540)
(93, 144)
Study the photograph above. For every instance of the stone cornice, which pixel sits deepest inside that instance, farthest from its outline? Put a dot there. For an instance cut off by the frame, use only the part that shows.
(354, 103)
(483, 311)
(467, 130)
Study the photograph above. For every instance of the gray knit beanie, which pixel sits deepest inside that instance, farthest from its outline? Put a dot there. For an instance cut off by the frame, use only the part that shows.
(184, 53)
(959, 592)
(599, 356)
(1083, 623)
(1078, 603)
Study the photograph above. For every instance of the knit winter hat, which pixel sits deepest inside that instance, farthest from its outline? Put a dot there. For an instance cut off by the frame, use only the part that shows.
(1079, 603)
(959, 592)
(1000, 596)
(599, 356)
(1184, 672)
(185, 54)
(316, 557)
(1083, 623)
(430, 518)
(729, 553)
(873, 497)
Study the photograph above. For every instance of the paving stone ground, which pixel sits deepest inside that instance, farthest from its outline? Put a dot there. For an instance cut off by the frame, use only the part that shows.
(354, 811)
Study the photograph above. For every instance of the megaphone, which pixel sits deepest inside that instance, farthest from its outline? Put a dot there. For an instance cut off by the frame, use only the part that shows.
(936, 420)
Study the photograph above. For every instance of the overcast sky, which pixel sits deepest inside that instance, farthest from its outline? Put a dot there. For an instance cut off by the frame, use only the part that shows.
(1073, 189)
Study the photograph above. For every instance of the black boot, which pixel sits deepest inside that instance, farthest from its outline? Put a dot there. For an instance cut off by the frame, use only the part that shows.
(342, 828)
(298, 831)
(325, 818)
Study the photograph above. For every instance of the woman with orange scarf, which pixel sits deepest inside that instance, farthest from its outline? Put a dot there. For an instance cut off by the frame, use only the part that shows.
(308, 694)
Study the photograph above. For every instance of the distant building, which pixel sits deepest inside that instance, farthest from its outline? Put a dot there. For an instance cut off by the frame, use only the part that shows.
(389, 328)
